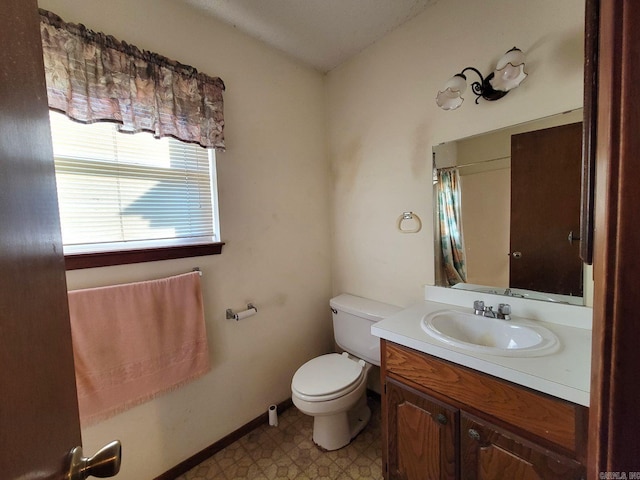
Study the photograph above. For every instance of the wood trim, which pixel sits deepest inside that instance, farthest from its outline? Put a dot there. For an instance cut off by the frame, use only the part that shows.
(214, 448)
(589, 123)
(614, 418)
(384, 405)
(125, 257)
(546, 417)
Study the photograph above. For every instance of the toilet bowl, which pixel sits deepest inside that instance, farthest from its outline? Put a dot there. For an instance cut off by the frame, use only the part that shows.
(332, 387)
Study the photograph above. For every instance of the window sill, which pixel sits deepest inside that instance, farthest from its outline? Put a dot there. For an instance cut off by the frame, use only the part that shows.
(78, 261)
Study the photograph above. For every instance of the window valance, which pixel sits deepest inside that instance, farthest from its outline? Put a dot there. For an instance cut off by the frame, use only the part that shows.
(94, 77)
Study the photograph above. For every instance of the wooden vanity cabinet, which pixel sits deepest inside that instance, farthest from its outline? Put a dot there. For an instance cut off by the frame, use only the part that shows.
(442, 421)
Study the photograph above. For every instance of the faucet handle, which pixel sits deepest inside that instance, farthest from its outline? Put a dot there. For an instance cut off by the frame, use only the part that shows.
(504, 308)
(504, 311)
(478, 307)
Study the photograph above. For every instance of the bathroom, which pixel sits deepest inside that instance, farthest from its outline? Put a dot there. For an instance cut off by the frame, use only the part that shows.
(317, 169)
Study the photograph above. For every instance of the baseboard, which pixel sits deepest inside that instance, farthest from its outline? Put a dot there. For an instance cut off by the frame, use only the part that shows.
(214, 448)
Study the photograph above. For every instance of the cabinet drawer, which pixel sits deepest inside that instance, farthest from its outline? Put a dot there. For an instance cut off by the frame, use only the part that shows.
(549, 418)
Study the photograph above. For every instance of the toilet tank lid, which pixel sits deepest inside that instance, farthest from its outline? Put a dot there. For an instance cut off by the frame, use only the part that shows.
(363, 307)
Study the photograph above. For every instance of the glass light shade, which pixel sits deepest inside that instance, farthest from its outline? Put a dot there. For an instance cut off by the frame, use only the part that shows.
(450, 97)
(509, 72)
(508, 78)
(514, 56)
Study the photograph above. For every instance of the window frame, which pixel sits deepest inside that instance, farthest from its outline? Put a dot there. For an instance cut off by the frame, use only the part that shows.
(76, 261)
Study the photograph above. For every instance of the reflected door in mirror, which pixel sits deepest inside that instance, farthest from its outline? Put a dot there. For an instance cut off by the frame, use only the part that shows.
(545, 210)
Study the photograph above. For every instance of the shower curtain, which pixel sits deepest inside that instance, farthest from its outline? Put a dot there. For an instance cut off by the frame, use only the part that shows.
(453, 258)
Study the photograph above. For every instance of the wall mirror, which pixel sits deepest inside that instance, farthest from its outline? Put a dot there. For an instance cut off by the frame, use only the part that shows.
(508, 211)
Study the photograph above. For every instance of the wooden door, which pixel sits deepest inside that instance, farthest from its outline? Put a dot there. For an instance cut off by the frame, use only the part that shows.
(38, 405)
(489, 453)
(421, 435)
(545, 208)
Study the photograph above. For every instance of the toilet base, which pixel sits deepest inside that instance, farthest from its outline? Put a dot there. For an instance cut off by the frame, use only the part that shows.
(331, 432)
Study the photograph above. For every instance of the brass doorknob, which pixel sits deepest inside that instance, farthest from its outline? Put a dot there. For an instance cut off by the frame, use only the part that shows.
(105, 463)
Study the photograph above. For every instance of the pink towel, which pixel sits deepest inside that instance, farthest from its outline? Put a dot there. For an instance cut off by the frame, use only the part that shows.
(134, 341)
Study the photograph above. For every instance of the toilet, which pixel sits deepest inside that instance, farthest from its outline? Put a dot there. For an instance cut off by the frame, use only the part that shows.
(332, 387)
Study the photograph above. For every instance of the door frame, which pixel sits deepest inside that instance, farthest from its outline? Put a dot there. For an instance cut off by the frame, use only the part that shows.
(615, 390)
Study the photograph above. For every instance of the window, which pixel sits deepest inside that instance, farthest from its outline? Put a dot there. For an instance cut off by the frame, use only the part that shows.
(122, 194)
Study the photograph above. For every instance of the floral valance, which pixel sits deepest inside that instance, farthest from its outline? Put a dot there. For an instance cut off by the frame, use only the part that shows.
(94, 77)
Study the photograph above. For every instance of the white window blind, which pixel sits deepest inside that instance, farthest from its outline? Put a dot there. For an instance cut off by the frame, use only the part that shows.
(119, 191)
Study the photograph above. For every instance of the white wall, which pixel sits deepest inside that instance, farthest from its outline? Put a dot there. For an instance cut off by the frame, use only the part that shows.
(274, 207)
(383, 121)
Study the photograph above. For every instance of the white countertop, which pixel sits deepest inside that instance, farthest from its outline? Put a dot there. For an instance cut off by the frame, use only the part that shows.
(564, 374)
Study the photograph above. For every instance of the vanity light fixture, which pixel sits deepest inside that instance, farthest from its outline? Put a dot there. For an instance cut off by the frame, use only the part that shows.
(509, 73)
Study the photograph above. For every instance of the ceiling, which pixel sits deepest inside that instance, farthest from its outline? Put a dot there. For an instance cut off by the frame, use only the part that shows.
(319, 33)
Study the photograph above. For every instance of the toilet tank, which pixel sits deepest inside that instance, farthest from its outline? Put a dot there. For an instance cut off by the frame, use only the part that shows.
(352, 320)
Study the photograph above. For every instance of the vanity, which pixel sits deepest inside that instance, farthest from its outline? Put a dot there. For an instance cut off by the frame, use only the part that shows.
(462, 405)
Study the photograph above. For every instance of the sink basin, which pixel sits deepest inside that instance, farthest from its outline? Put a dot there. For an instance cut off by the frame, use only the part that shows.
(489, 335)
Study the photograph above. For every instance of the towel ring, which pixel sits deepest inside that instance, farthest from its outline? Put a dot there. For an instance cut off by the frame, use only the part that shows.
(409, 216)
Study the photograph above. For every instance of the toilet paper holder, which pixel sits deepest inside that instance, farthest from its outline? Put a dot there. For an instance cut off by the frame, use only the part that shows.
(251, 310)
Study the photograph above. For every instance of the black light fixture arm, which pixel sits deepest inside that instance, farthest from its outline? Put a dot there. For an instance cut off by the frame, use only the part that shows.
(507, 75)
(483, 88)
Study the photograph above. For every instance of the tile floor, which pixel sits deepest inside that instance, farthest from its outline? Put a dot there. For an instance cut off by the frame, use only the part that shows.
(287, 452)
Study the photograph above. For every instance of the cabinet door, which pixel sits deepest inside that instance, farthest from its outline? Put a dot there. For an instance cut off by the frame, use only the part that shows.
(490, 453)
(422, 435)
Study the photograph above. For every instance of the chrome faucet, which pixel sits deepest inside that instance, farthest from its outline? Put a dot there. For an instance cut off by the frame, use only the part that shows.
(489, 313)
(503, 313)
(510, 293)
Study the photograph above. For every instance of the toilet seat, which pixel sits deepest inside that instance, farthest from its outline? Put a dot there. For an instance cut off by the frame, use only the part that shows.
(327, 377)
